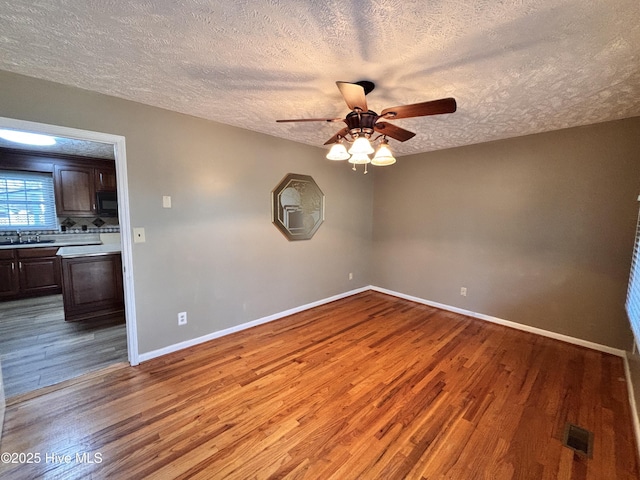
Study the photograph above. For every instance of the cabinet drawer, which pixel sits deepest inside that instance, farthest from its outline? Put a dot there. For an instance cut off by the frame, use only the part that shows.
(7, 254)
(37, 252)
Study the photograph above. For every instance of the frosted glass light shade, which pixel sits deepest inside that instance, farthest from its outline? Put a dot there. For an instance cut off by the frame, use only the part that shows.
(361, 146)
(27, 138)
(383, 156)
(359, 159)
(338, 152)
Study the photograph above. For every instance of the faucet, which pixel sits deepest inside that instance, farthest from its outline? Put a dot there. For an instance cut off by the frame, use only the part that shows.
(19, 233)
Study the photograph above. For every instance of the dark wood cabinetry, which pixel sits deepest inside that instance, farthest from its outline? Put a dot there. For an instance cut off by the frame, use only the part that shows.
(75, 179)
(76, 184)
(39, 271)
(75, 190)
(28, 272)
(105, 178)
(9, 281)
(92, 286)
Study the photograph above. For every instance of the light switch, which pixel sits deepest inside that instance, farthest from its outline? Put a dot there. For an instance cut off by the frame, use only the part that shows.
(138, 235)
(166, 201)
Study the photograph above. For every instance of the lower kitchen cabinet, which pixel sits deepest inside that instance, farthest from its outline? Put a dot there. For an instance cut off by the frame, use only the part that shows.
(92, 286)
(39, 271)
(9, 281)
(27, 272)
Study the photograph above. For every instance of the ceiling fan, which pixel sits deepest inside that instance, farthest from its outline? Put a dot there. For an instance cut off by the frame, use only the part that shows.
(362, 123)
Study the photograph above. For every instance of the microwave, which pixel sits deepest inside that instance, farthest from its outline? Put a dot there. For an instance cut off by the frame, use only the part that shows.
(107, 204)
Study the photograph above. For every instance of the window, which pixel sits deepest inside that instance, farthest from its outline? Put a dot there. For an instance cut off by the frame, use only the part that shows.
(27, 201)
(633, 292)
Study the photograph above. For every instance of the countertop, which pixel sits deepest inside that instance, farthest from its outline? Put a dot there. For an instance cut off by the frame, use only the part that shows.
(61, 243)
(88, 250)
(53, 240)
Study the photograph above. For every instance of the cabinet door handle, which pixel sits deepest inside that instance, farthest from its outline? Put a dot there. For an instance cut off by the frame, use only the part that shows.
(20, 265)
(101, 182)
(13, 266)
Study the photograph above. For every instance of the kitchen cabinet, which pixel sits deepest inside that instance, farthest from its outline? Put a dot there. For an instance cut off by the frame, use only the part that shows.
(74, 188)
(26, 272)
(9, 281)
(76, 184)
(39, 271)
(105, 178)
(75, 179)
(92, 286)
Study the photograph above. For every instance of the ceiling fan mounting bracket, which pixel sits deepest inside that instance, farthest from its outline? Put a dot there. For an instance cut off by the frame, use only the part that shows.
(367, 85)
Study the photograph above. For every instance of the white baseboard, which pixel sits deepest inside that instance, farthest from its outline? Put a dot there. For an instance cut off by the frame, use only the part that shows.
(143, 357)
(507, 323)
(632, 402)
(545, 333)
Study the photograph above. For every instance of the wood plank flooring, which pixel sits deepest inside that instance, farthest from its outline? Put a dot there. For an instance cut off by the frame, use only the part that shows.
(38, 348)
(368, 387)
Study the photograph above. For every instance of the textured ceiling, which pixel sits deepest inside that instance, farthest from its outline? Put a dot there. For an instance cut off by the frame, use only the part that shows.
(516, 67)
(67, 146)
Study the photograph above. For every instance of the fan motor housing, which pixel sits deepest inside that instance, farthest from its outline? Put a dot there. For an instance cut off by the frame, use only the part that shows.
(360, 123)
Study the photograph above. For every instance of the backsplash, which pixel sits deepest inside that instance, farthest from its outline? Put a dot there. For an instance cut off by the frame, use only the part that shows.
(89, 225)
(72, 226)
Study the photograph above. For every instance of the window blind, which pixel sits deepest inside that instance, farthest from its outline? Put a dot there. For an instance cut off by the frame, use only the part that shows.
(633, 291)
(27, 201)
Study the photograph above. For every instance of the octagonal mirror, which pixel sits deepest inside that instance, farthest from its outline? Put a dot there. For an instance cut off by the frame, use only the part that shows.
(297, 206)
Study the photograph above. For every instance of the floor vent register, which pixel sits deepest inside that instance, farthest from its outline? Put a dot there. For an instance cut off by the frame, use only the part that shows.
(578, 439)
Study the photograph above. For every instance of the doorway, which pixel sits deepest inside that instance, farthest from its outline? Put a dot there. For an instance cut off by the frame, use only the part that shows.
(49, 305)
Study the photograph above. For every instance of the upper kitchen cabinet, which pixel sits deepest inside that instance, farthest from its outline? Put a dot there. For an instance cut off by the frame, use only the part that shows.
(105, 178)
(76, 184)
(76, 179)
(74, 187)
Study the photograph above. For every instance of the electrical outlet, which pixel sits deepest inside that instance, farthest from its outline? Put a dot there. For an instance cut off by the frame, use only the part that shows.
(182, 318)
(350, 275)
(463, 291)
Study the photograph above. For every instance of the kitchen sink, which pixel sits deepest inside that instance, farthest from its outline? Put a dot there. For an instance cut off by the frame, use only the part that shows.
(9, 242)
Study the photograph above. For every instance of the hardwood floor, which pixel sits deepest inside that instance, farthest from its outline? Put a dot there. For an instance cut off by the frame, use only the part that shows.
(368, 387)
(38, 348)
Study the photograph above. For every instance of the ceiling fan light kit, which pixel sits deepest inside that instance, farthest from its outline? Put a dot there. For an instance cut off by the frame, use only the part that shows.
(361, 145)
(338, 152)
(383, 156)
(362, 123)
(359, 159)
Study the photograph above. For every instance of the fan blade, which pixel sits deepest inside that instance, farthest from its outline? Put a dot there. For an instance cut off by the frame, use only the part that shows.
(394, 132)
(342, 133)
(312, 120)
(435, 107)
(354, 95)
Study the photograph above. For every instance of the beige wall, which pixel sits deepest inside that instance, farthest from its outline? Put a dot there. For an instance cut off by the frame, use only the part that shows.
(539, 229)
(215, 254)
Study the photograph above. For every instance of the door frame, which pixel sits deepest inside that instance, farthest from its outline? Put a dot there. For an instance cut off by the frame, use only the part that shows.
(118, 142)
